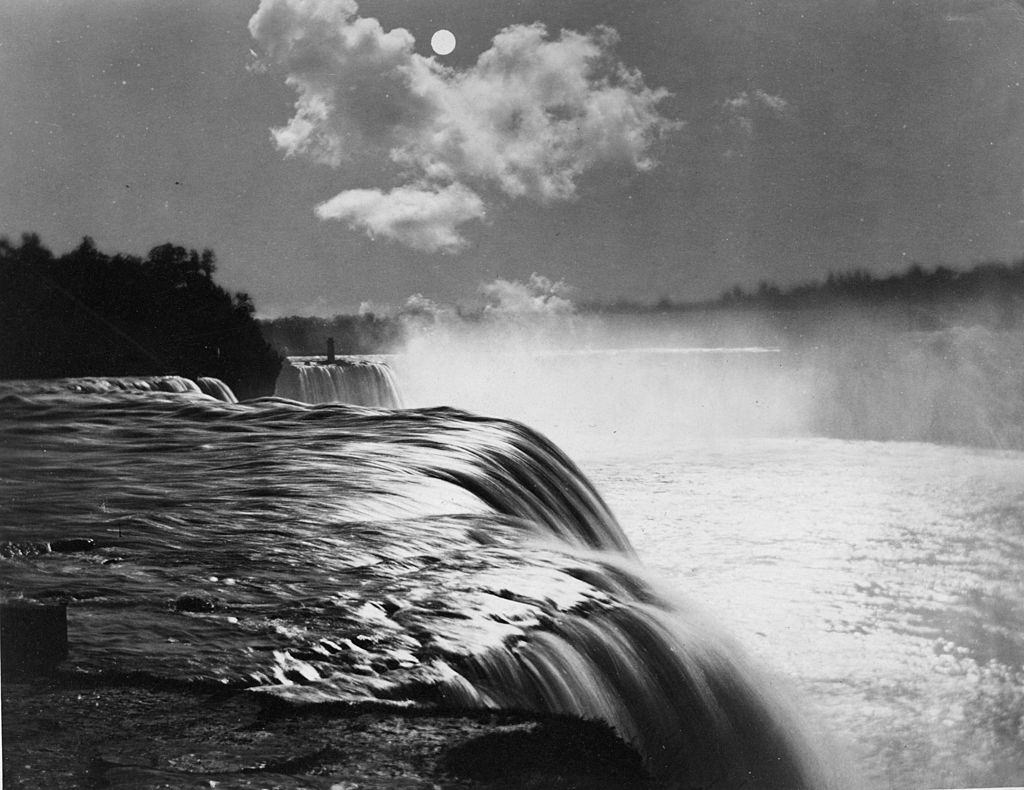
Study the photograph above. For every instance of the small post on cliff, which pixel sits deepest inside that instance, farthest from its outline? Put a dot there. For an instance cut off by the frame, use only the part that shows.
(330, 351)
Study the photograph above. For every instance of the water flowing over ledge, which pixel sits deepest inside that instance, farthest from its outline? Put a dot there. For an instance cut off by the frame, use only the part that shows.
(411, 558)
(360, 381)
(99, 385)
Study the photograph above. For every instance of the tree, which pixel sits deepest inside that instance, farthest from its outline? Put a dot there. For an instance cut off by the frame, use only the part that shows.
(88, 313)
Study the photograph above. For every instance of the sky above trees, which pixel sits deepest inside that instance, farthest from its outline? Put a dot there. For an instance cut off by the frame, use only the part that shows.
(638, 150)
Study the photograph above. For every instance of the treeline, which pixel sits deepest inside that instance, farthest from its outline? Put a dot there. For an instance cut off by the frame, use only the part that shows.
(353, 334)
(87, 313)
(992, 293)
(989, 294)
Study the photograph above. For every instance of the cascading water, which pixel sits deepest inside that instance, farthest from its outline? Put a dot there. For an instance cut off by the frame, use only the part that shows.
(666, 681)
(206, 385)
(216, 388)
(358, 381)
(423, 557)
(432, 558)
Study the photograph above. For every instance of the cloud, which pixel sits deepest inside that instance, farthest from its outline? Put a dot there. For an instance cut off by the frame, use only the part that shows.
(746, 106)
(533, 114)
(540, 295)
(422, 217)
(527, 119)
(348, 72)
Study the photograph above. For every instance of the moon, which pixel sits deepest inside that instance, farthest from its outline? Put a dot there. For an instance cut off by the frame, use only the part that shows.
(442, 42)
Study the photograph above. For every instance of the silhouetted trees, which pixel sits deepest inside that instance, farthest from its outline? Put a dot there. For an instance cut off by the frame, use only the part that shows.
(88, 313)
(989, 294)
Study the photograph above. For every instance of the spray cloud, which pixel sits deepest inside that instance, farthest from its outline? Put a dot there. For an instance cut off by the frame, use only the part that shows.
(527, 119)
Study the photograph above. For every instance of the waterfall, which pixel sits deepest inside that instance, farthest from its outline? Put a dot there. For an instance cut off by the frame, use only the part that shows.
(509, 467)
(216, 388)
(173, 384)
(425, 557)
(99, 385)
(359, 381)
(665, 681)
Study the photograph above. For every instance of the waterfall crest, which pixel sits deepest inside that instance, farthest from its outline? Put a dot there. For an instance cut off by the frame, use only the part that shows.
(401, 557)
(103, 385)
(666, 681)
(216, 388)
(358, 381)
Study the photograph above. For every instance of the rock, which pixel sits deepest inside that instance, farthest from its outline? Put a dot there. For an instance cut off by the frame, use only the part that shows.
(33, 638)
(555, 753)
(195, 603)
(130, 733)
(12, 548)
(72, 544)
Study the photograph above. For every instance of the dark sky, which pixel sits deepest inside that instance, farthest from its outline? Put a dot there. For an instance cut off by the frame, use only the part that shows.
(770, 140)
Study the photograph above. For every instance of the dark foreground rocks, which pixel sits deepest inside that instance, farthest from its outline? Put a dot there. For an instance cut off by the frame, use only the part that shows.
(72, 731)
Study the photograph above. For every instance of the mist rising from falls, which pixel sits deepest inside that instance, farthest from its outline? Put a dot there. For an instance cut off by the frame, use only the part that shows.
(589, 383)
(358, 381)
(952, 386)
(584, 378)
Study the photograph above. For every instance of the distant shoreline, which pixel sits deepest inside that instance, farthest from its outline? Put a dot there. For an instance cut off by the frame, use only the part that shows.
(989, 295)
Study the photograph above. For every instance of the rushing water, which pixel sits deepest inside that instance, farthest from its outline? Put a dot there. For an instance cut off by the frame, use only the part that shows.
(359, 380)
(433, 557)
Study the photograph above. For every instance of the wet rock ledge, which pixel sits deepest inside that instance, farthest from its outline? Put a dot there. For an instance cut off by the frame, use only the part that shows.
(74, 731)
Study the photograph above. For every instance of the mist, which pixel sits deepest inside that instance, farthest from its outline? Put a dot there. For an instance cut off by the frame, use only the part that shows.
(588, 380)
(613, 380)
